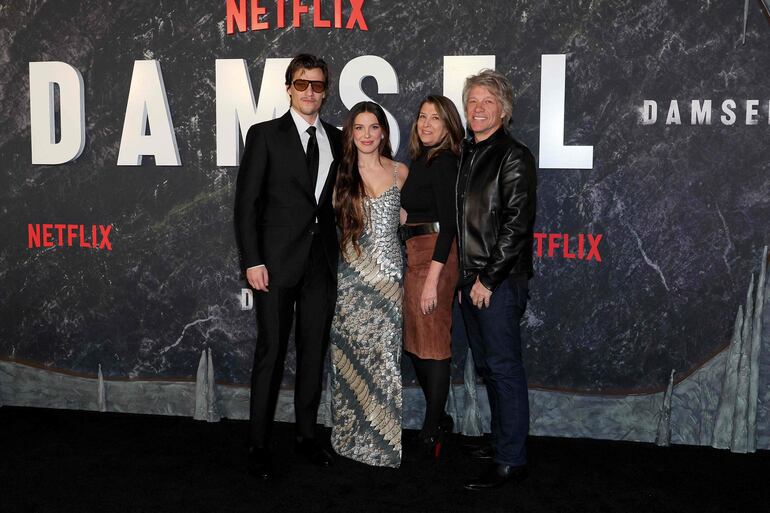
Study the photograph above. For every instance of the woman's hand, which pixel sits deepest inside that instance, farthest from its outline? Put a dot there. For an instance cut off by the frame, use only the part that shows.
(428, 298)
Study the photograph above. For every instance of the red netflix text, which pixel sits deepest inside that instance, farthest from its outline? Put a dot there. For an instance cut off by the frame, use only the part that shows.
(243, 15)
(95, 236)
(562, 245)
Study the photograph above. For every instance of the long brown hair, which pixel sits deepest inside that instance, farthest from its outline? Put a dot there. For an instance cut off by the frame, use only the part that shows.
(349, 188)
(454, 128)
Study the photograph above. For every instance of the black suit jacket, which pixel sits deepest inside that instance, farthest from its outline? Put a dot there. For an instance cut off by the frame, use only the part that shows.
(275, 204)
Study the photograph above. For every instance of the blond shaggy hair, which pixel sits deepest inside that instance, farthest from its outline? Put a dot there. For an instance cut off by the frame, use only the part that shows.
(497, 84)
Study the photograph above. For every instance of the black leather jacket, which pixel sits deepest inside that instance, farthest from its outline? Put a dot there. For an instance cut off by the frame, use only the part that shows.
(496, 197)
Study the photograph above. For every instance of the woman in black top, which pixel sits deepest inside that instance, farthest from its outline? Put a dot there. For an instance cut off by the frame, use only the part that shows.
(428, 197)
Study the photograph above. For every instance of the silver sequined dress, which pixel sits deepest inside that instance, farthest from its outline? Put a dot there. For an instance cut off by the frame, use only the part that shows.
(366, 341)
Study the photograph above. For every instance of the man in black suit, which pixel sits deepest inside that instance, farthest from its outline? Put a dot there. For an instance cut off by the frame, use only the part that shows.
(288, 246)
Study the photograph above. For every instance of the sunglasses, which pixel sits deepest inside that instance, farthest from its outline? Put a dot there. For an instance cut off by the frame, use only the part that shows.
(318, 86)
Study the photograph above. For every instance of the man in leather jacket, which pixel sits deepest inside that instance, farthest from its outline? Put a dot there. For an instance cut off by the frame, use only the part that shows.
(496, 198)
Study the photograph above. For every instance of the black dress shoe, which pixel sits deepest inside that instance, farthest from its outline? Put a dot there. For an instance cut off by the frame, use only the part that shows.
(497, 475)
(311, 450)
(482, 452)
(260, 463)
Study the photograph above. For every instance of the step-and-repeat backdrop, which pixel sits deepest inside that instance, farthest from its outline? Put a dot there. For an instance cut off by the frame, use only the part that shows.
(122, 126)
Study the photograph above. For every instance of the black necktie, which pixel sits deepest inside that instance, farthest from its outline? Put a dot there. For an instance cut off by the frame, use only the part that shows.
(311, 156)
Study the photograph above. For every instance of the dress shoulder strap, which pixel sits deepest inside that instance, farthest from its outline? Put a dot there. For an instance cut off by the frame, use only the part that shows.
(395, 173)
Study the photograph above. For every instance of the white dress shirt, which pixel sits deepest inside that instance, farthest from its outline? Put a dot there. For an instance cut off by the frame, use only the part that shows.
(325, 157)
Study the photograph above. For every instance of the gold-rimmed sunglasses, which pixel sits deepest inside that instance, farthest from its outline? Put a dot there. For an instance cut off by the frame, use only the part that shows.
(318, 86)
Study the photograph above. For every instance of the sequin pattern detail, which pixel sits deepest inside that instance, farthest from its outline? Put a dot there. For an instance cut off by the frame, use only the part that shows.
(366, 341)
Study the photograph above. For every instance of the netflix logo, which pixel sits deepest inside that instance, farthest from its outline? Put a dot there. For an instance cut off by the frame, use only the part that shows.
(243, 15)
(95, 236)
(572, 247)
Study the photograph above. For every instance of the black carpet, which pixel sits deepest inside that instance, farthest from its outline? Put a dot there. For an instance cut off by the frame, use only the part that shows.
(59, 460)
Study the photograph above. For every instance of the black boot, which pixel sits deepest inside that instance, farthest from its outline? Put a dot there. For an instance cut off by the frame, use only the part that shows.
(496, 475)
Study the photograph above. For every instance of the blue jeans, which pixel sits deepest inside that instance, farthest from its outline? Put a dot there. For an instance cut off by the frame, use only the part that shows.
(495, 339)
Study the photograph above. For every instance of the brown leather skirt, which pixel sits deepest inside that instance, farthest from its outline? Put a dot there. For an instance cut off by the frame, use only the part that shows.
(428, 336)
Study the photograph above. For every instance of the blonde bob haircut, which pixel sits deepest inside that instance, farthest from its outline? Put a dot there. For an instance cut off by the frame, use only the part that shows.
(497, 84)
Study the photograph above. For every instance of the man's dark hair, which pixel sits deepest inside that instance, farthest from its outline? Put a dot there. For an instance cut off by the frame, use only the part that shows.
(307, 61)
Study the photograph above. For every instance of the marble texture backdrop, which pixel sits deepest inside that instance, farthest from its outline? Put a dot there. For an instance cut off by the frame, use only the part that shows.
(683, 210)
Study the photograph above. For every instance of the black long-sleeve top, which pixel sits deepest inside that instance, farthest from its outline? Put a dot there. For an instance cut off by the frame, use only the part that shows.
(428, 196)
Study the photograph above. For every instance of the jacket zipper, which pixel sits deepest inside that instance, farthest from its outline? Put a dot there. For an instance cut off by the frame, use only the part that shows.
(460, 229)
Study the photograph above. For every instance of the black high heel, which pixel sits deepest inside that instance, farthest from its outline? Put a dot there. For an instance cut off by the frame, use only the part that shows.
(434, 444)
(446, 424)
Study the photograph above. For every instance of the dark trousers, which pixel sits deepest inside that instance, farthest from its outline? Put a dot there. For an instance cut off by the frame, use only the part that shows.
(495, 340)
(313, 299)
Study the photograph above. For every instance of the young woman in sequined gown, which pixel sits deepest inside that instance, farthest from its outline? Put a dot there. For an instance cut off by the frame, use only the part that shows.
(367, 326)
